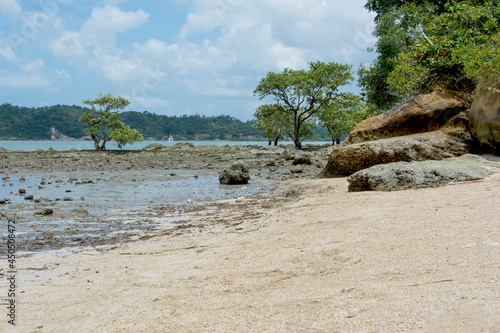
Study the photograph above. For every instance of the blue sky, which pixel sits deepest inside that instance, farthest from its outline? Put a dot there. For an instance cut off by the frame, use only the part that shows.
(171, 57)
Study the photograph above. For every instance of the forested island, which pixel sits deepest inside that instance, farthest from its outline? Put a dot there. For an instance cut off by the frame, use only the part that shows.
(23, 123)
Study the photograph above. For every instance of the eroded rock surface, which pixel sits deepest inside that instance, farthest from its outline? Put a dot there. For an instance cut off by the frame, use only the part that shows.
(345, 160)
(485, 116)
(424, 113)
(403, 175)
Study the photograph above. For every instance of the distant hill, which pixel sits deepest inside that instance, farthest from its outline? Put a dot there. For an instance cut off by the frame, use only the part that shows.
(37, 123)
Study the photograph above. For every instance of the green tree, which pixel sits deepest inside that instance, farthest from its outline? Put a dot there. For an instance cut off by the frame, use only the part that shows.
(342, 114)
(302, 94)
(459, 49)
(104, 122)
(413, 52)
(271, 120)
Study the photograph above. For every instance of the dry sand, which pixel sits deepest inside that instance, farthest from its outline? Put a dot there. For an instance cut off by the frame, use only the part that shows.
(424, 260)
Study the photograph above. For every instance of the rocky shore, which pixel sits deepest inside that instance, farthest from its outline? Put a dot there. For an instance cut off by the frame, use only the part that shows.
(84, 199)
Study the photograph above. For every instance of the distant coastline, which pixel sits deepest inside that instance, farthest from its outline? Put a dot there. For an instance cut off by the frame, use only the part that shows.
(59, 145)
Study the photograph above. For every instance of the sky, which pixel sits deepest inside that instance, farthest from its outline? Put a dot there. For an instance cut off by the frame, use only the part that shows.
(171, 57)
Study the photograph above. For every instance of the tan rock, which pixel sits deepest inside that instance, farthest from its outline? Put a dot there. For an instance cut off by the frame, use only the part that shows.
(436, 145)
(424, 113)
(485, 115)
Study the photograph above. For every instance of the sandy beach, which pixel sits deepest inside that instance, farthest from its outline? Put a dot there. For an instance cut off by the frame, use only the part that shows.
(325, 260)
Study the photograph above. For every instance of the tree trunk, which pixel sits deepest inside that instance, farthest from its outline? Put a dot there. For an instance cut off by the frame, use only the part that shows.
(96, 142)
(296, 137)
(276, 141)
(269, 142)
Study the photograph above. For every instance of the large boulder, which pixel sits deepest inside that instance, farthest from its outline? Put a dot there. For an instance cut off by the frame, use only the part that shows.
(437, 145)
(403, 175)
(424, 113)
(485, 116)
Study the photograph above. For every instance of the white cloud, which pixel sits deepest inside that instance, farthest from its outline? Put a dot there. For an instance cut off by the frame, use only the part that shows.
(69, 46)
(104, 23)
(63, 77)
(7, 53)
(28, 75)
(11, 8)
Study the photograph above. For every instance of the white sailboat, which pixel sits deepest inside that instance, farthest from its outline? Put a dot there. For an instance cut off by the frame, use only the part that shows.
(170, 138)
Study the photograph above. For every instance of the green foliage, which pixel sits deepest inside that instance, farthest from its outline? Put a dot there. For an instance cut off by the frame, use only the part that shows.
(452, 43)
(342, 114)
(104, 122)
(463, 44)
(36, 123)
(272, 121)
(302, 94)
(398, 24)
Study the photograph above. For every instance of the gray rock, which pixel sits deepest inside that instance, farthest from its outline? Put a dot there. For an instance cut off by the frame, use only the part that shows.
(296, 169)
(45, 211)
(183, 145)
(233, 177)
(78, 212)
(240, 166)
(153, 147)
(22, 191)
(289, 153)
(237, 174)
(28, 197)
(404, 175)
(302, 158)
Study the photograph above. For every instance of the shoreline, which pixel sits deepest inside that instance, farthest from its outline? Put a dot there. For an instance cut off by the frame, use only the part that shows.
(421, 260)
(95, 198)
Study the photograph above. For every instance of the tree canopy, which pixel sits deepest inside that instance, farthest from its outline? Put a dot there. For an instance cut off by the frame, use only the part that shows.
(104, 122)
(423, 42)
(302, 94)
(342, 114)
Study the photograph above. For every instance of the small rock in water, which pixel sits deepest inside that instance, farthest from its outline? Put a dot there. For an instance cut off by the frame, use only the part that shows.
(45, 211)
(79, 212)
(22, 191)
(28, 197)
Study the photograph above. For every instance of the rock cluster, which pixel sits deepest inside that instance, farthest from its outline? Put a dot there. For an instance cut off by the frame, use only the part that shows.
(432, 126)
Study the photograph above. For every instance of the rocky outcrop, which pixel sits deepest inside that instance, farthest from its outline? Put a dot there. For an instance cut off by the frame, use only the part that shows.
(485, 117)
(238, 174)
(346, 160)
(424, 113)
(402, 175)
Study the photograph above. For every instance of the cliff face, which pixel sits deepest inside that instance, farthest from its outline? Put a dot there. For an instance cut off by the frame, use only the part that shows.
(485, 117)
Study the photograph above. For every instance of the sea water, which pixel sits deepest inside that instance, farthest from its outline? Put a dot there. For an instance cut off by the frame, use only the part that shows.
(89, 145)
(120, 205)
